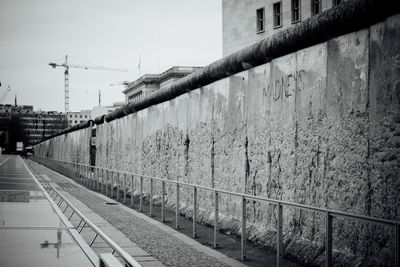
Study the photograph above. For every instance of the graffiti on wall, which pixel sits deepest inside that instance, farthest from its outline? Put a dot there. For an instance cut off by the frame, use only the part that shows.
(285, 85)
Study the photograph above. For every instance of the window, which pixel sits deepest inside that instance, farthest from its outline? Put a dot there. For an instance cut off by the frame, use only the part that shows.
(85, 116)
(260, 20)
(295, 11)
(76, 116)
(337, 2)
(76, 122)
(315, 7)
(277, 14)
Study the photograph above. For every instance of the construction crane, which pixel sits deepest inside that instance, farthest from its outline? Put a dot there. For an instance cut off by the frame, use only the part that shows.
(67, 65)
(5, 94)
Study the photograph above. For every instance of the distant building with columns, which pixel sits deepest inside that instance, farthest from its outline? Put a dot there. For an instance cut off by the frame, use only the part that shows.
(149, 83)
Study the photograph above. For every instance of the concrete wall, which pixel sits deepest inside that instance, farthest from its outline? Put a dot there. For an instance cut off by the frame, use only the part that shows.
(239, 20)
(72, 147)
(319, 127)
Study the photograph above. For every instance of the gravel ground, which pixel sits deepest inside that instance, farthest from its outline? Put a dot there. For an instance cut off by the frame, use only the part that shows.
(161, 245)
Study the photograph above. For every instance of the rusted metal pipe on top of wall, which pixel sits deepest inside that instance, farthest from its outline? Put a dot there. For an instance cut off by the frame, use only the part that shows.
(347, 17)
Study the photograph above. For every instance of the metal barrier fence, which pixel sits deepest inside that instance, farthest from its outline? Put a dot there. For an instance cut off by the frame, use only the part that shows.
(59, 199)
(93, 177)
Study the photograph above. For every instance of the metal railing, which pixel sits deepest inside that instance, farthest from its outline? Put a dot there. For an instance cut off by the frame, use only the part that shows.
(93, 177)
(59, 199)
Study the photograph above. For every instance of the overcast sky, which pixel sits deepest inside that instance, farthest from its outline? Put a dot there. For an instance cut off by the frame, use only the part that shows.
(112, 33)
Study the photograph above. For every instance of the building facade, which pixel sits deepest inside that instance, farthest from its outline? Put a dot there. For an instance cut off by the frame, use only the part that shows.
(247, 21)
(23, 124)
(149, 83)
(76, 117)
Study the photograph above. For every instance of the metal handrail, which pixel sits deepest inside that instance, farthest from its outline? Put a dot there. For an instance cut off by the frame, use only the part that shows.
(124, 255)
(329, 213)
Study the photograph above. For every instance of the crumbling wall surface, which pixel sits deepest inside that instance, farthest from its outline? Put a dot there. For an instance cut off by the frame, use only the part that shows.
(319, 127)
(72, 147)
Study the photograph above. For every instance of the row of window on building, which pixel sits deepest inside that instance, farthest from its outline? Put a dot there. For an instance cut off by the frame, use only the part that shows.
(48, 127)
(295, 8)
(43, 132)
(71, 121)
(76, 116)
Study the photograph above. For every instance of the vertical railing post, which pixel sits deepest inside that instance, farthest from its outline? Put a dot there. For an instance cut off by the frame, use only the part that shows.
(194, 211)
(118, 186)
(397, 245)
(151, 197)
(97, 171)
(162, 201)
(141, 194)
(88, 178)
(132, 178)
(95, 178)
(112, 184)
(106, 181)
(85, 176)
(177, 207)
(216, 219)
(243, 237)
(93, 175)
(81, 174)
(82, 171)
(328, 239)
(124, 188)
(102, 181)
(279, 245)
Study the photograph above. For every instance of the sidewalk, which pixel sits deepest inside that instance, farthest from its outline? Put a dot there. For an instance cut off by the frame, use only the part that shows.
(148, 241)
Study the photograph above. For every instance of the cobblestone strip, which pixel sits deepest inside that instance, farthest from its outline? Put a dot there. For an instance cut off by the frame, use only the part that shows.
(161, 245)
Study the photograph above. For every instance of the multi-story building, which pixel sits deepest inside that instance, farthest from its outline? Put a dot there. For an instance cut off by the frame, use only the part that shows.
(76, 117)
(149, 83)
(23, 124)
(39, 125)
(245, 22)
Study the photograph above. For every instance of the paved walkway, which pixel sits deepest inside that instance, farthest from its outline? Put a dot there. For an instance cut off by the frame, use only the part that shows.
(166, 245)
